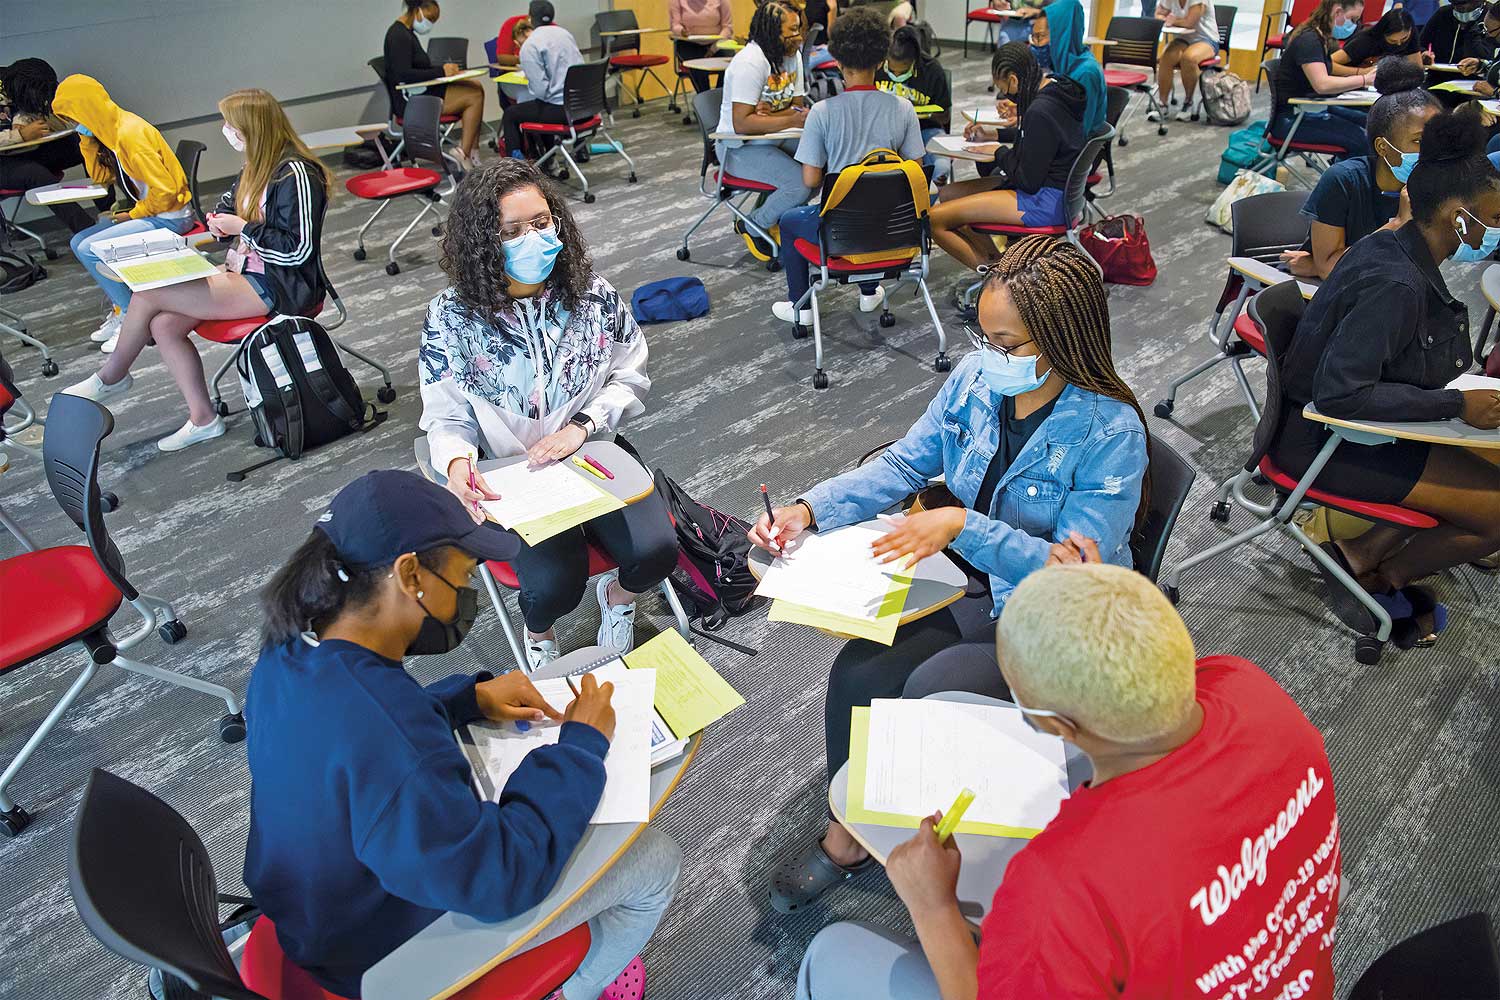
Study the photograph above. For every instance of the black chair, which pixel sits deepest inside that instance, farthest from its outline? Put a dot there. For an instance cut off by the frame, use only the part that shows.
(727, 187)
(449, 122)
(584, 105)
(1224, 15)
(1455, 960)
(421, 141)
(1281, 148)
(143, 885)
(1115, 101)
(442, 51)
(622, 54)
(1136, 43)
(1171, 479)
(1265, 227)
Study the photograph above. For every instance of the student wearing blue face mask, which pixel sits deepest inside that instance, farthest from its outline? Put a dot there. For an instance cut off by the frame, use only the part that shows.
(911, 73)
(1308, 70)
(531, 352)
(406, 61)
(1380, 341)
(1039, 440)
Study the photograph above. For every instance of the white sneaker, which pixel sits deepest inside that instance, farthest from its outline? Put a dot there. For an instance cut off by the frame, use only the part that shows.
(540, 652)
(109, 328)
(108, 347)
(616, 623)
(869, 303)
(1184, 115)
(94, 388)
(1153, 116)
(783, 311)
(190, 434)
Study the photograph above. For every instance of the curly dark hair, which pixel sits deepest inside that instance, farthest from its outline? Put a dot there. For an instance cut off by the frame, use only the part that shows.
(765, 31)
(31, 84)
(860, 38)
(471, 254)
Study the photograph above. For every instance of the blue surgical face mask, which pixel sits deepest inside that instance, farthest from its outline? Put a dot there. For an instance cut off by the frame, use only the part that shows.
(1009, 375)
(529, 258)
(1043, 56)
(82, 129)
(900, 77)
(1487, 245)
(1468, 16)
(1401, 171)
(1343, 31)
(421, 25)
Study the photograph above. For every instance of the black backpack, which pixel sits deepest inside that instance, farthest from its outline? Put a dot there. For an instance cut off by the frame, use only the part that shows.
(18, 271)
(713, 560)
(299, 393)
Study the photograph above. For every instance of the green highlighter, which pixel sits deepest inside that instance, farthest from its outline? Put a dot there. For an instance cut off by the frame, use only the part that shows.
(954, 815)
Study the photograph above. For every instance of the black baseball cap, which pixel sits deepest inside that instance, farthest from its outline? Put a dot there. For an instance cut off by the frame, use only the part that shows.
(385, 513)
(541, 12)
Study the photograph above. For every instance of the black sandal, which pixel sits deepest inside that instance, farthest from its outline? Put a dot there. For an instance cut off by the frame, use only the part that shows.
(1428, 618)
(802, 879)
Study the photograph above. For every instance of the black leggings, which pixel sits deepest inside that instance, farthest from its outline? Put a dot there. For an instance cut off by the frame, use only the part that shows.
(864, 670)
(40, 166)
(529, 111)
(554, 573)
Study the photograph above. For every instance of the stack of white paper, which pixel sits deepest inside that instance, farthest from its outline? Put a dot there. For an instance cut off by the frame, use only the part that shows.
(527, 493)
(121, 248)
(1475, 382)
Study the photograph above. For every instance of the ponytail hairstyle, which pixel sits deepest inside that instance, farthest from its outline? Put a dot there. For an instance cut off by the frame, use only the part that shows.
(1397, 75)
(1321, 20)
(1016, 57)
(765, 31)
(314, 588)
(1452, 164)
(270, 141)
(1058, 292)
(906, 47)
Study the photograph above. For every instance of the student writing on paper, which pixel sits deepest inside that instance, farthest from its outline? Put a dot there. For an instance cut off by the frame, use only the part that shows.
(26, 90)
(1455, 33)
(913, 74)
(529, 352)
(364, 822)
(1487, 65)
(1038, 437)
(274, 213)
(120, 146)
(513, 34)
(1380, 341)
(545, 57)
(1202, 860)
(1393, 35)
(406, 61)
(1307, 70)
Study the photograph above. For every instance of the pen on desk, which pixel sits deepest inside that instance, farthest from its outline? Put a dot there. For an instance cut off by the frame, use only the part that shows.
(770, 517)
(596, 464)
(954, 814)
(586, 467)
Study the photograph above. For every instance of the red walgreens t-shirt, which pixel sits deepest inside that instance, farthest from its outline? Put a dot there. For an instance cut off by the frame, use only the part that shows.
(1212, 874)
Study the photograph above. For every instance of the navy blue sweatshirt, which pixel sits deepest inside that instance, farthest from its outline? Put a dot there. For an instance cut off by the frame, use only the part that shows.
(364, 823)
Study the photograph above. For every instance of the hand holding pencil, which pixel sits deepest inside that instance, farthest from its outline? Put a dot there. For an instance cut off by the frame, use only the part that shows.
(779, 526)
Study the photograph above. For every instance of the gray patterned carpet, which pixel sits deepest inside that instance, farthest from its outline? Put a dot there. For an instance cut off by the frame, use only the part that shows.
(1413, 741)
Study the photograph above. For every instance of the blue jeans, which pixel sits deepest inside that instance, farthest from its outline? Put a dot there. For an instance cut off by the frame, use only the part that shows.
(941, 166)
(802, 223)
(856, 961)
(770, 163)
(118, 291)
(1342, 127)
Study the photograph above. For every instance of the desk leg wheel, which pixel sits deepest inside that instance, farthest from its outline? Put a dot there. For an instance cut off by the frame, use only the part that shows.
(386, 394)
(437, 230)
(1161, 130)
(1123, 139)
(1367, 650)
(108, 501)
(887, 319)
(632, 178)
(942, 363)
(773, 265)
(800, 332)
(221, 408)
(589, 199)
(1171, 592)
(172, 632)
(687, 119)
(14, 821)
(232, 728)
(359, 253)
(393, 268)
(820, 379)
(636, 113)
(1219, 512)
(49, 368)
(672, 109)
(683, 253)
(51, 253)
(1164, 409)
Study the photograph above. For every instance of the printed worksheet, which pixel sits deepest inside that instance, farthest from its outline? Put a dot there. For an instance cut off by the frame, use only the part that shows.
(538, 503)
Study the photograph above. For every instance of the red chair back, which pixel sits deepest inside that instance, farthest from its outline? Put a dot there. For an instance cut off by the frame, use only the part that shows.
(265, 968)
(1302, 9)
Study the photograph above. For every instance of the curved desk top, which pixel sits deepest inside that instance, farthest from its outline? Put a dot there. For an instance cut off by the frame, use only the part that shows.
(707, 64)
(1267, 275)
(1489, 284)
(17, 147)
(463, 74)
(454, 950)
(631, 483)
(1451, 432)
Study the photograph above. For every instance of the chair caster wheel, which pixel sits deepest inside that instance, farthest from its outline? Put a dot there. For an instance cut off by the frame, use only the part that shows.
(683, 253)
(359, 254)
(800, 332)
(672, 109)
(1259, 479)
(221, 408)
(1367, 649)
(1123, 140)
(1219, 512)
(1161, 130)
(687, 120)
(1171, 592)
(172, 632)
(942, 363)
(589, 199)
(773, 265)
(887, 319)
(631, 179)
(13, 822)
(108, 501)
(49, 368)
(51, 253)
(636, 113)
(820, 380)
(1164, 408)
(386, 394)
(437, 230)
(393, 268)
(232, 728)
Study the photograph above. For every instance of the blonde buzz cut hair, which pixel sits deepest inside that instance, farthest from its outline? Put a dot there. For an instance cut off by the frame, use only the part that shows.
(1101, 645)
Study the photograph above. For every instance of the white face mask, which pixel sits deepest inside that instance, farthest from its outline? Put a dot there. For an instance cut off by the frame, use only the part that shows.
(421, 25)
(233, 137)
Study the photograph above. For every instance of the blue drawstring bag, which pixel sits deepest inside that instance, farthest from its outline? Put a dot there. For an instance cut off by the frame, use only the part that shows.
(669, 299)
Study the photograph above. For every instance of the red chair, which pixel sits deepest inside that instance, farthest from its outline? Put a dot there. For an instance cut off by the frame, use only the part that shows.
(736, 193)
(1282, 148)
(583, 106)
(1136, 42)
(397, 122)
(1287, 20)
(990, 18)
(65, 595)
(422, 141)
(624, 55)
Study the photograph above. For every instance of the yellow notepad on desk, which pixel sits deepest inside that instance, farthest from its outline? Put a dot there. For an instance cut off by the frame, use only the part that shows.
(154, 272)
(881, 628)
(1456, 86)
(928, 109)
(514, 77)
(539, 503)
(690, 694)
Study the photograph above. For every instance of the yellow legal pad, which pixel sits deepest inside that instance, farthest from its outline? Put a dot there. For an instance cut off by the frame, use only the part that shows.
(515, 77)
(882, 629)
(928, 109)
(690, 694)
(543, 528)
(855, 811)
(181, 268)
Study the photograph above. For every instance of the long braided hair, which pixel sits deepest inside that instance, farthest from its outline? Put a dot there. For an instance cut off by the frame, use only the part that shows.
(1061, 299)
(1016, 57)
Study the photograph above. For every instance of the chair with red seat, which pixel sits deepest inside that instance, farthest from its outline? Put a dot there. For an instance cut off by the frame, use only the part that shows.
(990, 18)
(873, 229)
(25, 416)
(736, 193)
(397, 123)
(1275, 312)
(66, 595)
(1136, 41)
(1265, 227)
(1279, 28)
(1115, 101)
(623, 54)
(428, 186)
(143, 884)
(583, 106)
(1224, 15)
(1280, 149)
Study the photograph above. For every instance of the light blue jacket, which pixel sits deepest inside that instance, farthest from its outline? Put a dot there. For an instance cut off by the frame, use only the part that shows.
(1081, 471)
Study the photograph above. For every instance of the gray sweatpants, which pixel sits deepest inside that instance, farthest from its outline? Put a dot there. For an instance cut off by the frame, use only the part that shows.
(855, 961)
(770, 163)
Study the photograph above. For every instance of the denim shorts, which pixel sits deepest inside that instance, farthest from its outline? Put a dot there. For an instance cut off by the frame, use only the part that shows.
(258, 282)
(1044, 208)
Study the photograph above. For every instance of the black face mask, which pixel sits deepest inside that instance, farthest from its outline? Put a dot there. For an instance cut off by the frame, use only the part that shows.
(437, 636)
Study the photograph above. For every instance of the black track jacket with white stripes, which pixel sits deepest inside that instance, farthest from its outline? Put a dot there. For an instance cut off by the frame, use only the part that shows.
(288, 236)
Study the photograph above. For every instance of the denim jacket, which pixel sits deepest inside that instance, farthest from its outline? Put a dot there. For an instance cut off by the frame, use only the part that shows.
(1081, 471)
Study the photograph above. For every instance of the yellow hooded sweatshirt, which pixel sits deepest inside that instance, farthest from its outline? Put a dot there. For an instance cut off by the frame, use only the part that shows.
(140, 150)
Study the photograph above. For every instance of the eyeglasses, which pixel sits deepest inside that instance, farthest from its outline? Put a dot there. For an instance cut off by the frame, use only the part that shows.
(983, 343)
(514, 230)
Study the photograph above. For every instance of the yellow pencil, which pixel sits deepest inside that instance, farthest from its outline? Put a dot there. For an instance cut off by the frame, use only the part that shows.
(954, 815)
(586, 467)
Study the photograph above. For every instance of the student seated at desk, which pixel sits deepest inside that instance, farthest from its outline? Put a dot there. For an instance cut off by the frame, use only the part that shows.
(701, 19)
(1038, 438)
(406, 61)
(1026, 189)
(1456, 33)
(274, 209)
(529, 353)
(26, 90)
(1379, 341)
(761, 98)
(548, 53)
(1486, 67)
(364, 823)
(1211, 799)
(1040, 41)
(513, 35)
(842, 131)
(911, 73)
(1393, 35)
(1307, 70)
(1183, 53)
(1356, 197)
(118, 145)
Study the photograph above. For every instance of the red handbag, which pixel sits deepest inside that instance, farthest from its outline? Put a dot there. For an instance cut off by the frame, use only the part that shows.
(1120, 246)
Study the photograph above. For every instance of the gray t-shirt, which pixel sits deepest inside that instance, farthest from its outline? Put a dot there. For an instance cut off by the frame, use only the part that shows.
(842, 130)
